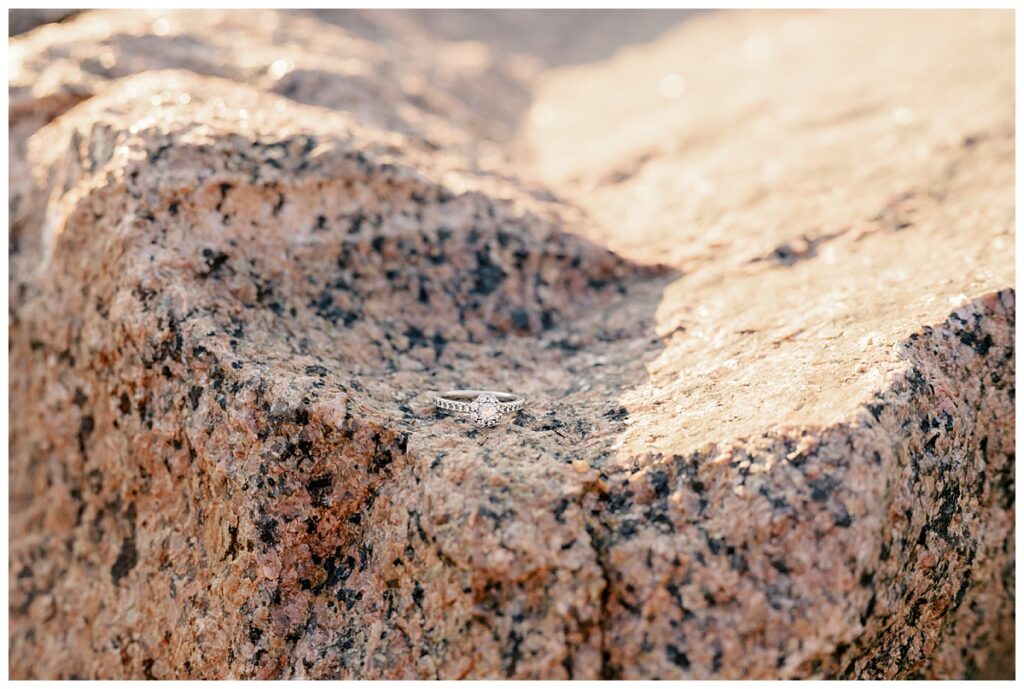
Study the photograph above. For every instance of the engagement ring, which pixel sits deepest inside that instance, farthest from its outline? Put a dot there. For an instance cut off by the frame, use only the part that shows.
(484, 407)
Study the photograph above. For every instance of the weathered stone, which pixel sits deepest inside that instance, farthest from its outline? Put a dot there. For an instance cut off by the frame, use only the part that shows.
(771, 435)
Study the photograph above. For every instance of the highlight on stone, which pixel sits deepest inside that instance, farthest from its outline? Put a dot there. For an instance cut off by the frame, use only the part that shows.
(752, 273)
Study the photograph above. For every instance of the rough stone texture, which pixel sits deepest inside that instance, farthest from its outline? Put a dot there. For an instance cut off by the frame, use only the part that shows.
(771, 435)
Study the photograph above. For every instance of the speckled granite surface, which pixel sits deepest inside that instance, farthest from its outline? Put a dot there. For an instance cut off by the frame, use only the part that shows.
(770, 435)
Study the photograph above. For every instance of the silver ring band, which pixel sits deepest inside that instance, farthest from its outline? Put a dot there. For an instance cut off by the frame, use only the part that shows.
(485, 407)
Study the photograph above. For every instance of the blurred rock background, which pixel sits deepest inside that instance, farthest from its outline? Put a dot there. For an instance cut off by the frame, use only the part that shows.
(22, 20)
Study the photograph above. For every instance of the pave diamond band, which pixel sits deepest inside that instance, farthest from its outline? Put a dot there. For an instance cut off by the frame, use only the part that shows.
(485, 407)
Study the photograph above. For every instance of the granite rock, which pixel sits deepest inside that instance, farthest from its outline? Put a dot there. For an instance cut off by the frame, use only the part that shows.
(766, 332)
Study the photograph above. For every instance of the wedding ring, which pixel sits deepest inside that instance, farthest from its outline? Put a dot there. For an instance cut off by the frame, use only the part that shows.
(484, 407)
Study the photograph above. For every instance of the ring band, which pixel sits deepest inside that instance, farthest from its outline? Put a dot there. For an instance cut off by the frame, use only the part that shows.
(485, 407)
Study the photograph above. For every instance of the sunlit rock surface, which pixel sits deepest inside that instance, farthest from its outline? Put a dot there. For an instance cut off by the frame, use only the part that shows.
(754, 273)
